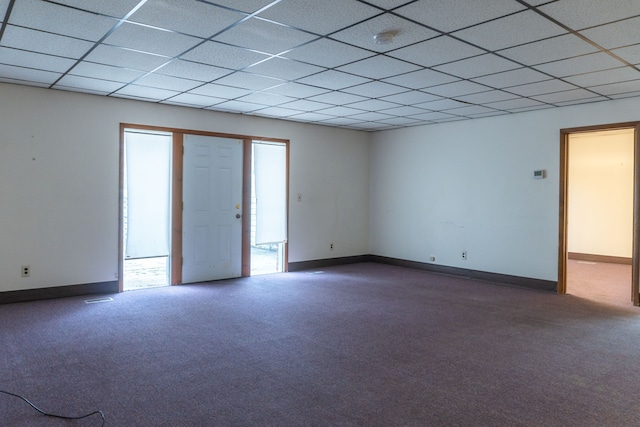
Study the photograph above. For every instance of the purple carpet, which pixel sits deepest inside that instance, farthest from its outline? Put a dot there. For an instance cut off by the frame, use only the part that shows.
(357, 345)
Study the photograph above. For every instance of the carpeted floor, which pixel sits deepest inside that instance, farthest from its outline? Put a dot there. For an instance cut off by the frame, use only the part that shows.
(357, 345)
(601, 282)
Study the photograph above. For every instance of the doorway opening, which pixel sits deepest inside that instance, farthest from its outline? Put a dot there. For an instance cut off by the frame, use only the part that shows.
(146, 207)
(268, 207)
(598, 214)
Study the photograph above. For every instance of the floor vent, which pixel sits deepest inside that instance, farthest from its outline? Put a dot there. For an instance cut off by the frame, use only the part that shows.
(97, 300)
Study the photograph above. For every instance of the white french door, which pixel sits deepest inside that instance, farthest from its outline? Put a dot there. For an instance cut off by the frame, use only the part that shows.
(212, 210)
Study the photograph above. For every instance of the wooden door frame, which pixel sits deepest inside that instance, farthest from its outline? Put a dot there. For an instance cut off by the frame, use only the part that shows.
(563, 203)
(176, 197)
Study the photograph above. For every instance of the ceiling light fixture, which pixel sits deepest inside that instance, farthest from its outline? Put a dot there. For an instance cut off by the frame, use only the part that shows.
(385, 37)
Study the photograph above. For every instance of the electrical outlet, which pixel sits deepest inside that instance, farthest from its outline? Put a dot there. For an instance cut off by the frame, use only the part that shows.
(432, 258)
(299, 197)
(25, 271)
(330, 246)
(464, 255)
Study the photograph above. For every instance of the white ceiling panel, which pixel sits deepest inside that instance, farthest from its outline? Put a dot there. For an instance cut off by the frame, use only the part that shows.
(442, 104)
(362, 35)
(328, 53)
(579, 65)
(266, 99)
(236, 106)
(629, 53)
(582, 101)
(553, 49)
(199, 19)
(220, 91)
(453, 15)
(421, 79)
(337, 98)
(389, 4)
(276, 112)
(40, 15)
(125, 58)
(471, 110)
(605, 77)
(167, 82)
(28, 74)
(115, 8)
(514, 104)
(379, 67)
(512, 78)
(478, 66)
(10, 56)
(297, 90)
(328, 15)
(436, 51)
(541, 88)
(617, 88)
(89, 84)
(411, 98)
(193, 70)
(579, 14)
(3, 9)
(457, 89)
(38, 41)
(248, 6)
(222, 55)
(334, 80)
(620, 34)
(264, 36)
(105, 72)
(342, 121)
(248, 81)
(373, 105)
(562, 97)
(520, 28)
(146, 92)
(486, 97)
(402, 111)
(371, 116)
(307, 105)
(434, 116)
(375, 89)
(195, 100)
(310, 117)
(285, 69)
(151, 40)
(341, 111)
(401, 121)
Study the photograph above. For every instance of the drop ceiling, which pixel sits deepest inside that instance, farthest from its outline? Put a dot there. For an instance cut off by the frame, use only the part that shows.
(317, 61)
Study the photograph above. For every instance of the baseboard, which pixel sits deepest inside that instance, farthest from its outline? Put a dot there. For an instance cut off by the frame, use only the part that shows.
(58, 292)
(504, 279)
(328, 262)
(599, 258)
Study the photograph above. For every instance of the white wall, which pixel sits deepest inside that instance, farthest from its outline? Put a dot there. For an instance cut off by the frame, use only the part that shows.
(441, 189)
(600, 196)
(59, 157)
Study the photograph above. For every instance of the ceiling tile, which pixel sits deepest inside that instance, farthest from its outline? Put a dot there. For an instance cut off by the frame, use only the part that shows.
(624, 95)
(617, 88)
(248, 6)
(605, 77)
(327, 53)
(146, 92)
(362, 35)
(126, 58)
(513, 104)
(512, 78)
(403, 111)
(342, 121)
(38, 41)
(401, 121)
(236, 107)
(582, 101)
(307, 105)
(116, 8)
(192, 70)
(28, 74)
(379, 67)
(167, 82)
(457, 89)
(486, 97)
(373, 105)
(328, 15)
(553, 49)
(337, 98)
(296, 90)
(579, 14)
(520, 28)
(311, 117)
(569, 95)
(248, 81)
(389, 4)
(220, 91)
(470, 110)
(434, 115)
(195, 100)
(421, 79)
(264, 98)
(285, 69)
(151, 40)
(276, 112)
(10, 56)
(105, 72)
(453, 15)
(411, 98)
(55, 19)
(371, 116)
(334, 80)
(620, 34)
(375, 89)
(579, 65)
(477, 66)
(3, 9)
(88, 83)
(222, 55)
(264, 36)
(198, 19)
(629, 53)
(541, 88)
(340, 111)
(23, 82)
(436, 51)
(442, 104)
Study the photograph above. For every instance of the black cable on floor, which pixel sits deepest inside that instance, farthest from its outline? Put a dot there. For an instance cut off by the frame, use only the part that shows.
(54, 415)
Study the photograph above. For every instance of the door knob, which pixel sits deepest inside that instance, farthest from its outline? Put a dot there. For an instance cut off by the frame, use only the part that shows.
(238, 215)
